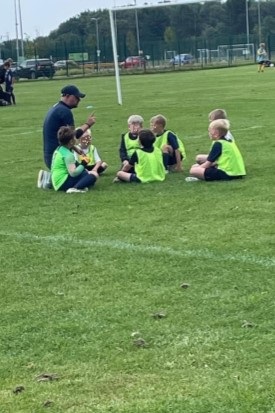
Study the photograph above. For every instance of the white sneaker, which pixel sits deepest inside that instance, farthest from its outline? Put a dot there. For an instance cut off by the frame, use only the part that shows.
(40, 179)
(192, 179)
(44, 180)
(75, 191)
(48, 180)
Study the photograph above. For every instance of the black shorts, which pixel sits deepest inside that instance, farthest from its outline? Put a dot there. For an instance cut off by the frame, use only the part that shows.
(214, 174)
(172, 159)
(91, 167)
(134, 178)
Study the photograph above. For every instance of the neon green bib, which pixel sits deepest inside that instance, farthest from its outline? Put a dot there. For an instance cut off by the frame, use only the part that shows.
(150, 166)
(231, 160)
(163, 140)
(131, 144)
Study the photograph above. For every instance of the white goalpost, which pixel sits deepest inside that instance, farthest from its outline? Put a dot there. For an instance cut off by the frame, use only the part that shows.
(163, 3)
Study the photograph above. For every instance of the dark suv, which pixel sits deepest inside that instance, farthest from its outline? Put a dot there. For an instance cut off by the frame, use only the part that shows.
(35, 68)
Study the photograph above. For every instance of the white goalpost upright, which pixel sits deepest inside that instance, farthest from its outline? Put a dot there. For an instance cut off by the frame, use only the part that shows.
(114, 44)
(163, 3)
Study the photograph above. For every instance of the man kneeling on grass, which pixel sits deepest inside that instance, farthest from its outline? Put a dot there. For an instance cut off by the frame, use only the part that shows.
(68, 174)
(147, 161)
(224, 161)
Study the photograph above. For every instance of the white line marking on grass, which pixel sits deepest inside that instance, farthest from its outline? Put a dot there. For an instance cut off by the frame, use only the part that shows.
(30, 132)
(248, 128)
(196, 136)
(232, 130)
(267, 262)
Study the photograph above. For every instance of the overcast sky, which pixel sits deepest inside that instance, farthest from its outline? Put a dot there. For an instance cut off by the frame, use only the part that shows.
(39, 17)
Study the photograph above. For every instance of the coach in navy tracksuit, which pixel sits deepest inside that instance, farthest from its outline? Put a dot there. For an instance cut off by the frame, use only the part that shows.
(61, 115)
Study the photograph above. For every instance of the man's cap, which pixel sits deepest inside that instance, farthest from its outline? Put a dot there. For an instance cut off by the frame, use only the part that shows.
(72, 90)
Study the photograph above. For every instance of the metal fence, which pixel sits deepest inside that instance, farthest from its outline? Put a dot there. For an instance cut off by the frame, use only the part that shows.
(158, 55)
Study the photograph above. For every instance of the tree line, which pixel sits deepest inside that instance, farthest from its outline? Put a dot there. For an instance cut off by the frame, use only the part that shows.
(172, 27)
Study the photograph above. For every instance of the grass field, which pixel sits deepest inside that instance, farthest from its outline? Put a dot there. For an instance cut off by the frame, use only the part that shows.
(82, 276)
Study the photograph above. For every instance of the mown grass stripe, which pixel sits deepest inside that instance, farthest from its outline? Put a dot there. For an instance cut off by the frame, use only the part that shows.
(267, 262)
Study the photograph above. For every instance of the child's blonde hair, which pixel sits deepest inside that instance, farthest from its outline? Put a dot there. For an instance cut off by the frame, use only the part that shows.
(135, 119)
(159, 119)
(84, 134)
(221, 125)
(87, 132)
(217, 114)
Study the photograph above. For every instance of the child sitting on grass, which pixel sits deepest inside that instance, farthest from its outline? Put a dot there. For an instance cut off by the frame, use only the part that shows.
(147, 161)
(220, 114)
(214, 115)
(171, 146)
(224, 161)
(67, 174)
(129, 140)
(89, 153)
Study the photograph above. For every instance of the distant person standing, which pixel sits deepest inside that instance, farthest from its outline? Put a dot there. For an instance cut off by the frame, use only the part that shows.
(261, 57)
(60, 115)
(3, 70)
(9, 81)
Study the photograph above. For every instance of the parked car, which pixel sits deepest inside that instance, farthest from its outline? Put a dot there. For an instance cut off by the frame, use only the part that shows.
(35, 68)
(182, 59)
(133, 62)
(63, 64)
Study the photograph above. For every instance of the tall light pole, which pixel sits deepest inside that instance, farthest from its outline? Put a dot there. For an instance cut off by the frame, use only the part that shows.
(259, 22)
(16, 32)
(95, 19)
(247, 21)
(137, 29)
(21, 30)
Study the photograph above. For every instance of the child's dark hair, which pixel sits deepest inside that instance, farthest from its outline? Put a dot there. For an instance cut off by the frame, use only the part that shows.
(65, 134)
(146, 138)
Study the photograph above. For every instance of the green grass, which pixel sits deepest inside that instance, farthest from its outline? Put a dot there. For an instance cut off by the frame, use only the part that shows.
(81, 273)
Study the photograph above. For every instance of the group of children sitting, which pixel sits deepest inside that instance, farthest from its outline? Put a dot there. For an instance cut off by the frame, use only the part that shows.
(147, 155)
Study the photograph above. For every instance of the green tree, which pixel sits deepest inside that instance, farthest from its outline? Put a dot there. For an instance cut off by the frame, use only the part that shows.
(268, 26)
(176, 26)
(236, 12)
(213, 15)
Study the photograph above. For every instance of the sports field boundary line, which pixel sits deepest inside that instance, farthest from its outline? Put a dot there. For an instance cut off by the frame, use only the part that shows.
(267, 262)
